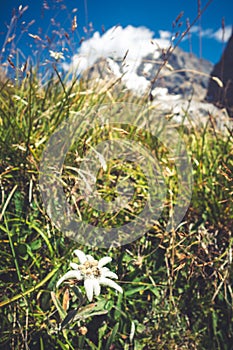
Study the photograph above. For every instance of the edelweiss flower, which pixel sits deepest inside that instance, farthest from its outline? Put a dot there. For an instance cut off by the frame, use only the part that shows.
(92, 273)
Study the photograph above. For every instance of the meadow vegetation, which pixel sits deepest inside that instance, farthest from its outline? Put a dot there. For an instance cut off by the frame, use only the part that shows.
(177, 285)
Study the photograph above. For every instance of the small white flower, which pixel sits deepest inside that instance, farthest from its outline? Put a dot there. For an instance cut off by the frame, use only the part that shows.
(56, 55)
(93, 273)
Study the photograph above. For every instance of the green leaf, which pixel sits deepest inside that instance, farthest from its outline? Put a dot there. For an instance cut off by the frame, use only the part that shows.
(22, 249)
(78, 293)
(63, 346)
(135, 290)
(43, 235)
(70, 317)
(101, 334)
(92, 345)
(112, 336)
(61, 311)
(155, 291)
(35, 245)
(94, 309)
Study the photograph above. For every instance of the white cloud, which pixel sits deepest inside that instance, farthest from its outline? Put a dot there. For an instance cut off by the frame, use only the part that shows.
(206, 33)
(209, 33)
(194, 29)
(130, 44)
(165, 34)
(218, 35)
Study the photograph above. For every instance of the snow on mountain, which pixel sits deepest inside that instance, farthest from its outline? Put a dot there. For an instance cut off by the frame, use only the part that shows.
(134, 57)
(125, 46)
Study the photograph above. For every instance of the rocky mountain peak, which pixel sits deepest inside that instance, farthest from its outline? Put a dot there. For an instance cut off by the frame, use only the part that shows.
(223, 96)
(184, 74)
(179, 89)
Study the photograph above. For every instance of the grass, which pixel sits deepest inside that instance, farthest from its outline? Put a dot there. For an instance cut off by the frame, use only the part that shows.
(177, 285)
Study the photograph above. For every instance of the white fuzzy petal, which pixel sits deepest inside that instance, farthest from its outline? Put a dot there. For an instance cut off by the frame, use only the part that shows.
(89, 258)
(89, 287)
(82, 257)
(104, 261)
(74, 266)
(104, 269)
(68, 275)
(96, 286)
(107, 282)
(105, 272)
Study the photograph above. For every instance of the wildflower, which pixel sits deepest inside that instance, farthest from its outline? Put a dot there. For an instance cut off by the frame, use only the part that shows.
(93, 273)
(56, 55)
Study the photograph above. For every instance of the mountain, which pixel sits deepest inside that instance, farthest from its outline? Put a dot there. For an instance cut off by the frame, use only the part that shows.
(223, 96)
(180, 87)
(184, 73)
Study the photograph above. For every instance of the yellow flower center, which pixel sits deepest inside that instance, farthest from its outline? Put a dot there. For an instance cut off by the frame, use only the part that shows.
(90, 268)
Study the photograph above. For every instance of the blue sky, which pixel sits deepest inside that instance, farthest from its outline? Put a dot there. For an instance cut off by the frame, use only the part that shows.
(157, 16)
